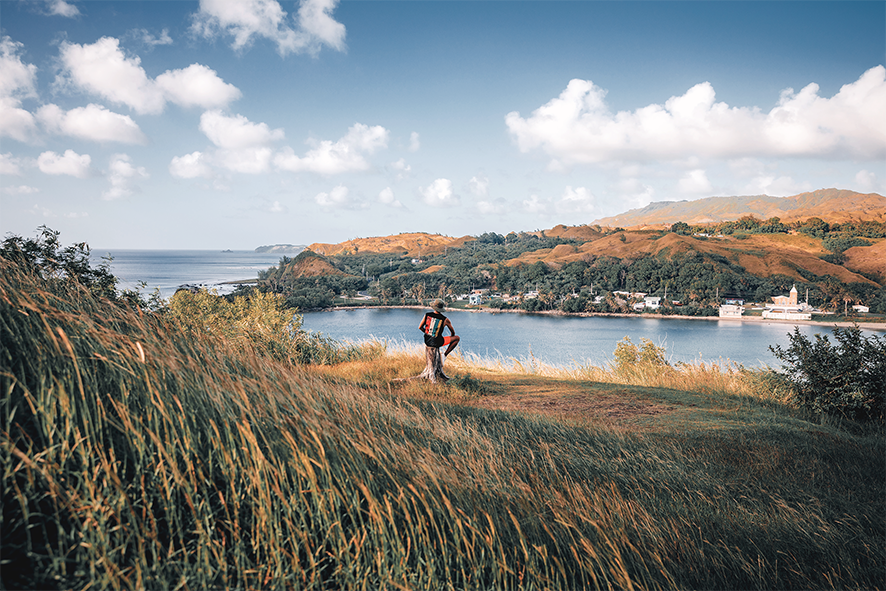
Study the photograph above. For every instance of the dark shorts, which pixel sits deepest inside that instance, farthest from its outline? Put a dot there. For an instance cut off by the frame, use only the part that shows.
(437, 341)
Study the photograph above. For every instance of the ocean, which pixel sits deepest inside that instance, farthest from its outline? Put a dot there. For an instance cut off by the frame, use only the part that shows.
(166, 270)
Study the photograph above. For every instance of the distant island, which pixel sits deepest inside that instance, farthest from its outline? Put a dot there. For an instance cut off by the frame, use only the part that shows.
(281, 248)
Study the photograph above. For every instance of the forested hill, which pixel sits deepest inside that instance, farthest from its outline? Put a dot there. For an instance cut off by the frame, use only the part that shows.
(833, 205)
(579, 268)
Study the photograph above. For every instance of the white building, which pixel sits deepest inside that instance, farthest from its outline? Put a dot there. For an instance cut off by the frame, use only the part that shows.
(731, 311)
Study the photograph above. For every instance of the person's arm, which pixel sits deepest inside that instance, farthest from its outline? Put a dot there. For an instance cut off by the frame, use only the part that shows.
(421, 326)
(448, 325)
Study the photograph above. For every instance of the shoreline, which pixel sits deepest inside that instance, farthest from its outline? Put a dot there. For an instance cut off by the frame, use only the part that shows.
(875, 326)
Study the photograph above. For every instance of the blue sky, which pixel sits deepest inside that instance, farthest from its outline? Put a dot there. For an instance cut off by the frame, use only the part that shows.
(223, 124)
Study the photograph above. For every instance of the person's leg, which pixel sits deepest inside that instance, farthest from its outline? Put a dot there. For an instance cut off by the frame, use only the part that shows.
(452, 341)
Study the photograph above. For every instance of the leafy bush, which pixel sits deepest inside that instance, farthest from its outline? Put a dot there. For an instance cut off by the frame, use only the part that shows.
(259, 322)
(847, 378)
(631, 358)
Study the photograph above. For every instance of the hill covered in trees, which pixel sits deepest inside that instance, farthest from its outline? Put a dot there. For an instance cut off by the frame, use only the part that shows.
(579, 268)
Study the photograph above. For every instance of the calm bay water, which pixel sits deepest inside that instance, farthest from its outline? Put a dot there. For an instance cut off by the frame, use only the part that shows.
(167, 269)
(558, 340)
(567, 341)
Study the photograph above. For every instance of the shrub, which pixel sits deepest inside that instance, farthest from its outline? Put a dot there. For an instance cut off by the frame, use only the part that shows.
(631, 358)
(259, 322)
(847, 378)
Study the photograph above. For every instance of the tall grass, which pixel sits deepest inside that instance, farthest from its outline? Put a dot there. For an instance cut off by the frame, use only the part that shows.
(138, 455)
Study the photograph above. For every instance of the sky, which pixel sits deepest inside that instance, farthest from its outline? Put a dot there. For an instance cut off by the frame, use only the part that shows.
(234, 124)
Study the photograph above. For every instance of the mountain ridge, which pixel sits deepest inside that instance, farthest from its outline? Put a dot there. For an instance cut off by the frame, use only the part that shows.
(831, 205)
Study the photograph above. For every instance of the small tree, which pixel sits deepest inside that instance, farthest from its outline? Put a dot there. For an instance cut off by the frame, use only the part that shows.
(847, 378)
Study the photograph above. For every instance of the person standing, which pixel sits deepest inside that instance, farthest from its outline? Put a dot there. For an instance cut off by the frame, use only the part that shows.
(433, 324)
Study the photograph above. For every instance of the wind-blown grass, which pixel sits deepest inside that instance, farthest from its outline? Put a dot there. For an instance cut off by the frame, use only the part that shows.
(138, 455)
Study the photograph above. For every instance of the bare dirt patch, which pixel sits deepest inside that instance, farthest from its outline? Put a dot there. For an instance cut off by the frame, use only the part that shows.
(576, 401)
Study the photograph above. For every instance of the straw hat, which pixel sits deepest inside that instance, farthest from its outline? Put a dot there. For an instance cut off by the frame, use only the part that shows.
(438, 305)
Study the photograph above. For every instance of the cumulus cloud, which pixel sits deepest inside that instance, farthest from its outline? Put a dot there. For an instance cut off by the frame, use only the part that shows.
(236, 132)
(70, 163)
(386, 196)
(62, 8)
(17, 81)
(10, 165)
(196, 86)
(102, 68)
(336, 198)
(345, 155)
(190, 166)
(439, 194)
(92, 122)
(244, 160)
(414, 143)
(577, 127)
(312, 28)
(122, 175)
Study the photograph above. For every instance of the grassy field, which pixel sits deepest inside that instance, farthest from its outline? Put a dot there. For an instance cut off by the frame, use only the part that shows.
(138, 453)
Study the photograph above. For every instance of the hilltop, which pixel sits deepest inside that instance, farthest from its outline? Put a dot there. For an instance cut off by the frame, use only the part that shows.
(832, 205)
(411, 244)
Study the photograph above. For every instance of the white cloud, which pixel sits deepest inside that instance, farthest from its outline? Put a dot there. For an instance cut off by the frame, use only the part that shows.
(277, 207)
(122, 175)
(21, 190)
(93, 122)
(70, 163)
(243, 20)
(695, 182)
(577, 127)
(17, 81)
(196, 86)
(190, 166)
(148, 39)
(15, 122)
(414, 143)
(62, 8)
(479, 185)
(103, 69)
(439, 194)
(10, 165)
(632, 192)
(386, 196)
(337, 198)
(236, 132)
(578, 200)
(345, 155)
(16, 77)
(244, 160)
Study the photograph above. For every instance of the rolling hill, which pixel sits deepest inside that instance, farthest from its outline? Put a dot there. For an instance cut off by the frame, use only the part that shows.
(832, 205)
